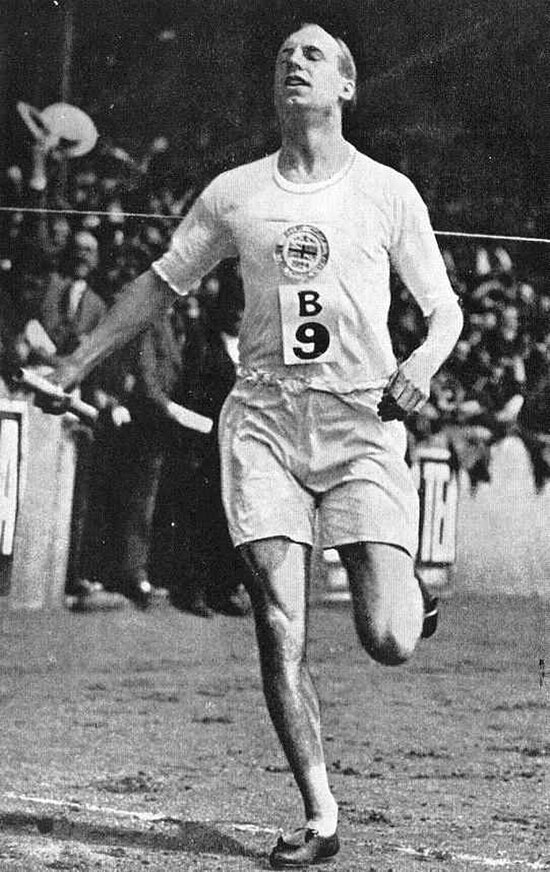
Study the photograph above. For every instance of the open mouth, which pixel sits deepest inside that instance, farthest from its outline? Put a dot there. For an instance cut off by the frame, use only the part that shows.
(296, 82)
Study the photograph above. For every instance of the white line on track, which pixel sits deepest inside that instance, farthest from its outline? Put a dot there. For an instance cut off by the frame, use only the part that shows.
(489, 862)
(419, 854)
(74, 805)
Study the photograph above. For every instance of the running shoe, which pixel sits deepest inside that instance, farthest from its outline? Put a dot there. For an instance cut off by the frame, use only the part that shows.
(431, 611)
(306, 849)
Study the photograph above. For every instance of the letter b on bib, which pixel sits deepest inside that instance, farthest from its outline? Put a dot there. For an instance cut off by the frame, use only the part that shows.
(309, 304)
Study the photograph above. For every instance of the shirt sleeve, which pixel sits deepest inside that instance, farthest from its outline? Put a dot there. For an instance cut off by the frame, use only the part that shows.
(414, 252)
(199, 243)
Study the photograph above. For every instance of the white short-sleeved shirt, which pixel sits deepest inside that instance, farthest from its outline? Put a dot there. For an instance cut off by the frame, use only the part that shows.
(315, 262)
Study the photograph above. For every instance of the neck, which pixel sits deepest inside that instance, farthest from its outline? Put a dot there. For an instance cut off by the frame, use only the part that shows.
(312, 151)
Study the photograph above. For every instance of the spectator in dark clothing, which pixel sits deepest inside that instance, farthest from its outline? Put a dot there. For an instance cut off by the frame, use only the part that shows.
(91, 562)
(70, 307)
(207, 571)
(63, 306)
(136, 454)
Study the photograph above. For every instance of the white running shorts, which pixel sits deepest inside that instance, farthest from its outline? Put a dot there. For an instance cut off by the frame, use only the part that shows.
(289, 451)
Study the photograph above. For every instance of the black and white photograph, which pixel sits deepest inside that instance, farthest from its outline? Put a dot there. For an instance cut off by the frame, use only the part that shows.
(274, 435)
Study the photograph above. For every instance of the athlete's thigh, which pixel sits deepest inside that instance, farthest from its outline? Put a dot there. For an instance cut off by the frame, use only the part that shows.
(382, 583)
(366, 490)
(263, 497)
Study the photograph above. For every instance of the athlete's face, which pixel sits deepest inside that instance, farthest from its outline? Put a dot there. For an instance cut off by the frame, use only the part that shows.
(308, 73)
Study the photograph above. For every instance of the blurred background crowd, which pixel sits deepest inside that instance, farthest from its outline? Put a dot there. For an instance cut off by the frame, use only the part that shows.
(451, 98)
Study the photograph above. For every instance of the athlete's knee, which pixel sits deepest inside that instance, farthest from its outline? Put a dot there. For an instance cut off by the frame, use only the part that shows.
(389, 626)
(386, 645)
(282, 651)
(274, 622)
(279, 619)
(386, 599)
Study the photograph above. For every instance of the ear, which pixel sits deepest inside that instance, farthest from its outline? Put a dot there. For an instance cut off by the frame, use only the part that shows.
(348, 90)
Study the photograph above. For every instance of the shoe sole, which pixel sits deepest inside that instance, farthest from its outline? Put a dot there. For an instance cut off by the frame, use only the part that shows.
(303, 865)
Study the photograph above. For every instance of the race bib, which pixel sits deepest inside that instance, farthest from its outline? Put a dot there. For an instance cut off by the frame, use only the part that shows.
(309, 323)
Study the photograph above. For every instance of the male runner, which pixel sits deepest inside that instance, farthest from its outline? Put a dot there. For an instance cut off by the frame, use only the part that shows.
(313, 421)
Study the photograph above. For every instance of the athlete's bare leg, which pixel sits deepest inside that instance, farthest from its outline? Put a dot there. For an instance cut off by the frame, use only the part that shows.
(387, 602)
(279, 594)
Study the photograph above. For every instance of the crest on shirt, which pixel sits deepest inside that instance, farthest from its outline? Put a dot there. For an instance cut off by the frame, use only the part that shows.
(302, 252)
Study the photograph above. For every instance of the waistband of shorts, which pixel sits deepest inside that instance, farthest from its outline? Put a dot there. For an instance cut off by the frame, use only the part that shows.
(262, 378)
(249, 377)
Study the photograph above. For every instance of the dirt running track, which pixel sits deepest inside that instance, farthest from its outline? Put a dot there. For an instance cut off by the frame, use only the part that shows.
(133, 741)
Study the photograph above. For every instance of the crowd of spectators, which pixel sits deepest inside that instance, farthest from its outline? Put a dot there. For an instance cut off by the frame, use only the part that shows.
(496, 381)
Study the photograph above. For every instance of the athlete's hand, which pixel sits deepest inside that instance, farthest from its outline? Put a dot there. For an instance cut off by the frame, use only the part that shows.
(406, 392)
(52, 390)
(52, 404)
(48, 395)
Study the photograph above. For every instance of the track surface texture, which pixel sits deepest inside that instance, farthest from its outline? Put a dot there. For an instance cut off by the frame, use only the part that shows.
(139, 741)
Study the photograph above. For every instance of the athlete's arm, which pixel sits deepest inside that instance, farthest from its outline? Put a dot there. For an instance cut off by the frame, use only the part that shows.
(198, 244)
(444, 328)
(416, 257)
(409, 387)
(137, 306)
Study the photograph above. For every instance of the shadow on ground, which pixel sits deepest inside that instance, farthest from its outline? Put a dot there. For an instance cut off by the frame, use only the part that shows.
(191, 837)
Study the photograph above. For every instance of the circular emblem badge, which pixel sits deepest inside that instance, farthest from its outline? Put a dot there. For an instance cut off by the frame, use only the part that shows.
(302, 252)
